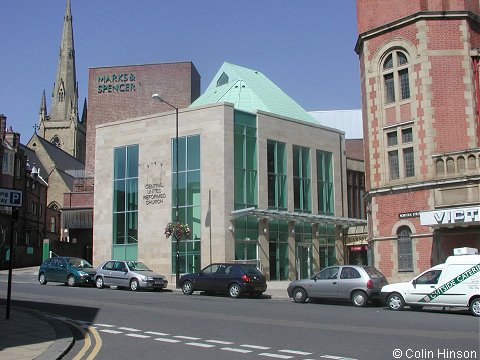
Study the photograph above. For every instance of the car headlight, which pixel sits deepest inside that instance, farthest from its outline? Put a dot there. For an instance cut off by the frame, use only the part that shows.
(148, 278)
(83, 273)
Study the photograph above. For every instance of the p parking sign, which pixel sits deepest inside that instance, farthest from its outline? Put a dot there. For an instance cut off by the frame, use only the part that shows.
(10, 197)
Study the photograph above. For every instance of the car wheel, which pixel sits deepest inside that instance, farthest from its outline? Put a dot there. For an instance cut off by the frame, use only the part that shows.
(299, 295)
(134, 286)
(395, 302)
(359, 298)
(187, 288)
(475, 306)
(71, 280)
(42, 279)
(234, 291)
(416, 307)
(99, 282)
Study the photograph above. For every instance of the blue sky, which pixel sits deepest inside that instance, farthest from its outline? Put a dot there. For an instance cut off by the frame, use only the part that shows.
(306, 47)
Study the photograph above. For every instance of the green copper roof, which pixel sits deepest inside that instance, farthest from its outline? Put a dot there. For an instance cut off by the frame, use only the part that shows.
(250, 90)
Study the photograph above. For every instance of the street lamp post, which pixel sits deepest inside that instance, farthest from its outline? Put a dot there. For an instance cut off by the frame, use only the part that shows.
(177, 244)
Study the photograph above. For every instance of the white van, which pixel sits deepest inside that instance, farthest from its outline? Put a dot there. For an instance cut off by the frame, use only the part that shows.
(456, 283)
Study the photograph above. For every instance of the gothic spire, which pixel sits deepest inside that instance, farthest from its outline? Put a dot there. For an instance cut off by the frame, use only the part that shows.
(43, 109)
(65, 92)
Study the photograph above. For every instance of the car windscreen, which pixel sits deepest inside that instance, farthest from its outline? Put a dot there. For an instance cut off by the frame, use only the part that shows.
(373, 273)
(79, 263)
(137, 266)
(250, 269)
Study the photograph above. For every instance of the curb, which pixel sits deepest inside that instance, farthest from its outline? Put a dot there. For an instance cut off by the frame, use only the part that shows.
(64, 337)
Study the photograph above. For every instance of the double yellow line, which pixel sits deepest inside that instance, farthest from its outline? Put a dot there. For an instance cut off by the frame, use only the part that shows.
(88, 333)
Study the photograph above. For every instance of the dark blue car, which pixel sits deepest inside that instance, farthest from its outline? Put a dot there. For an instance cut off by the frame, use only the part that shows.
(234, 279)
(69, 270)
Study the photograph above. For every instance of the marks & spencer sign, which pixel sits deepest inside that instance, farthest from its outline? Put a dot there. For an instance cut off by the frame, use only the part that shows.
(451, 216)
(116, 83)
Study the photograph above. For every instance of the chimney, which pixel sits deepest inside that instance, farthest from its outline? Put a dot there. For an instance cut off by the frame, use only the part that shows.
(3, 125)
(12, 137)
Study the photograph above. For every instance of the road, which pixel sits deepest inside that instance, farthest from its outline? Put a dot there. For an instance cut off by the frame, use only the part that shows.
(121, 324)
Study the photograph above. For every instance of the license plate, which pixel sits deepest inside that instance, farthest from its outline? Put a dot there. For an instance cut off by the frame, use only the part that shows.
(158, 282)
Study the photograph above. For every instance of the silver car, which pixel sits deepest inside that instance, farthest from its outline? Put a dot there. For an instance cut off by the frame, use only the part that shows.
(128, 274)
(357, 283)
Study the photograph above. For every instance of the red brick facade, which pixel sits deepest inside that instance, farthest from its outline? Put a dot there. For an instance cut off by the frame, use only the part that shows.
(124, 92)
(420, 126)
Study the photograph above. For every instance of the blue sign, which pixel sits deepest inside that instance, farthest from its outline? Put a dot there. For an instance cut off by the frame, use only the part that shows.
(10, 197)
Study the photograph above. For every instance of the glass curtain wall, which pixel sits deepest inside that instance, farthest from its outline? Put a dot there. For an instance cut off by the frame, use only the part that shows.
(325, 183)
(277, 175)
(301, 179)
(125, 203)
(278, 250)
(326, 237)
(245, 184)
(189, 202)
(304, 250)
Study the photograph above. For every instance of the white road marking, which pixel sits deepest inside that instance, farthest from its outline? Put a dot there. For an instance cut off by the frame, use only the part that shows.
(156, 333)
(167, 340)
(336, 357)
(277, 356)
(220, 342)
(295, 352)
(104, 325)
(200, 345)
(128, 329)
(111, 331)
(244, 351)
(186, 337)
(258, 347)
(138, 336)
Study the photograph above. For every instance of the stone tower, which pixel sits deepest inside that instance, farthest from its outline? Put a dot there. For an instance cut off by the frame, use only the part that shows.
(62, 126)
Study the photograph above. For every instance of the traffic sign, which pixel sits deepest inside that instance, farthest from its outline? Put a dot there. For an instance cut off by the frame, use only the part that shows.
(10, 197)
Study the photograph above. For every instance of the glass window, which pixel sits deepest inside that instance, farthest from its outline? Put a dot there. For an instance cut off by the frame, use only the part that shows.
(349, 273)
(396, 77)
(325, 182)
(125, 201)
(328, 273)
(430, 277)
(392, 138)
(408, 162)
(404, 248)
(394, 165)
(407, 135)
(211, 269)
(277, 195)
(301, 179)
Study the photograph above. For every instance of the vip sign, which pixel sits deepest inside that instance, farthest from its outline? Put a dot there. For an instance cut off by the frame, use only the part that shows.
(450, 216)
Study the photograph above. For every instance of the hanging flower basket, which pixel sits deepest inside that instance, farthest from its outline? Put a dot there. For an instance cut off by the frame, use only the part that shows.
(178, 230)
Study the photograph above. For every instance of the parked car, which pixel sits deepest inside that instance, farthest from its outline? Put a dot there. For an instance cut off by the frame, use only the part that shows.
(234, 279)
(69, 270)
(357, 283)
(456, 283)
(128, 274)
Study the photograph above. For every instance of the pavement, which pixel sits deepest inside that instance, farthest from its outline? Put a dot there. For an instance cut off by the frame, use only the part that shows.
(29, 334)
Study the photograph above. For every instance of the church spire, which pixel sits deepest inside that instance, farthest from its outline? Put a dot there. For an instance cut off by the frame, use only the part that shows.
(43, 110)
(65, 92)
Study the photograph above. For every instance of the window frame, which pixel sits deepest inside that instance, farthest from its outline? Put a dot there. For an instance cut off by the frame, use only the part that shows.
(396, 77)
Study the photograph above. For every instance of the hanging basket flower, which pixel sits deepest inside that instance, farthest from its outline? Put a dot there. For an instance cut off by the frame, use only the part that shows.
(178, 230)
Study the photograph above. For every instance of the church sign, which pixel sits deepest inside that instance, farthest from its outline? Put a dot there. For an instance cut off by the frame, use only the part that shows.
(154, 194)
(115, 83)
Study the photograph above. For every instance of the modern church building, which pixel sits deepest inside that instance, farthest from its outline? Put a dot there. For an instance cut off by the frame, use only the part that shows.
(258, 180)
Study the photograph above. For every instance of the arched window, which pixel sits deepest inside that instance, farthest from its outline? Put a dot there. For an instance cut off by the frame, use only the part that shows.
(404, 249)
(395, 77)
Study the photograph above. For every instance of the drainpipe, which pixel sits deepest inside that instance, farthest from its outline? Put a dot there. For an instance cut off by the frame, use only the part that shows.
(477, 94)
(341, 172)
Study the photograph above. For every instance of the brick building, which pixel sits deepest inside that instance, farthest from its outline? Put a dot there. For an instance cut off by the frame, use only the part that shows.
(420, 92)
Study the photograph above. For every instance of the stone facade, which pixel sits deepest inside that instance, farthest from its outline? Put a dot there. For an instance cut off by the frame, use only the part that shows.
(215, 125)
(420, 51)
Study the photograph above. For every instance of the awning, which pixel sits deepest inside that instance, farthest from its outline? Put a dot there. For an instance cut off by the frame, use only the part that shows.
(297, 217)
(77, 218)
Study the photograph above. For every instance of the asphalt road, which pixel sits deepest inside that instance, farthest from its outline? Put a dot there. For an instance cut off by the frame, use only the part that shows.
(169, 325)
